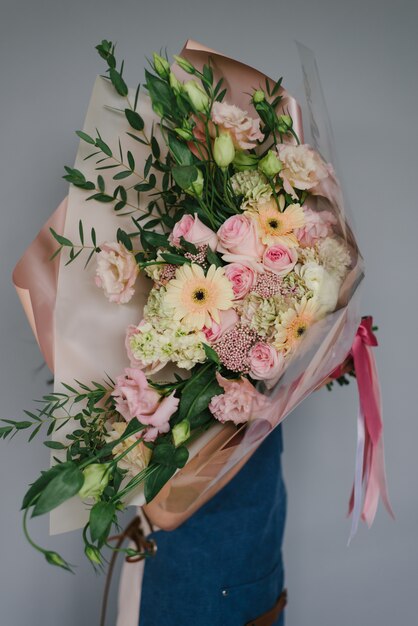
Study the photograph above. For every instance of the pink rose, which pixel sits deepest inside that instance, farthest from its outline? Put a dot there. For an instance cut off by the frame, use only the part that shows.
(228, 319)
(242, 278)
(303, 168)
(280, 259)
(239, 402)
(193, 231)
(239, 240)
(116, 272)
(135, 398)
(244, 130)
(265, 362)
(318, 225)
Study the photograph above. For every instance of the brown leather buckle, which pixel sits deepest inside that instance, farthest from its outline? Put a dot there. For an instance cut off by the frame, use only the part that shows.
(271, 616)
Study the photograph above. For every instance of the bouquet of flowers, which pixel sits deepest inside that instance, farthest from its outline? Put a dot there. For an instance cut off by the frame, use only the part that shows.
(226, 273)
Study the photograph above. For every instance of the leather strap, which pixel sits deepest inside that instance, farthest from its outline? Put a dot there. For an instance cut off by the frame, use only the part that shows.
(270, 617)
(145, 546)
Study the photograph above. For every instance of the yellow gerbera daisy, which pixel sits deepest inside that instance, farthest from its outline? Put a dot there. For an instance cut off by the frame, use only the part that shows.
(277, 226)
(294, 323)
(197, 298)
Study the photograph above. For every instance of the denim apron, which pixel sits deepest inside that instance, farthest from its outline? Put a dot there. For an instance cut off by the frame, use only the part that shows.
(223, 566)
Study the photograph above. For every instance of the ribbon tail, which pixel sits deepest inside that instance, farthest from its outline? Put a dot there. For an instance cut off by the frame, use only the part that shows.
(356, 500)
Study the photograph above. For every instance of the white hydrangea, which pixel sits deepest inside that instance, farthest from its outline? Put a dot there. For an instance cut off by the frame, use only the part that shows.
(259, 313)
(252, 185)
(154, 271)
(334, 255)
(157, 310)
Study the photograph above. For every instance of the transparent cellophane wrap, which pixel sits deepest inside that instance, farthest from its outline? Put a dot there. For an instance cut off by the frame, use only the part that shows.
(89, 332)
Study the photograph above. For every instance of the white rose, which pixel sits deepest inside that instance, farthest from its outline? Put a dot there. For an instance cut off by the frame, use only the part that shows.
(324, 286)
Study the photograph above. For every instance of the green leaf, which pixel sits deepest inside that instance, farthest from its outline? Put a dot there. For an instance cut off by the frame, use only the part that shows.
(134, 119)
(124, 239)
(101, 518)
(181, 456)
(164, 454)
(122, 175)
(160, 93)
(213, 258)
(155, 240)
(175, 259)
(185, 175)
(85, 137)
(54, 445)
(156, 481)
(131, 160)
(118, 82)
(179, 150)
(66, 484)
(38, 486)
(155, 148)
(211, 354)
(61, 240)
(198, 392)
(104, 147)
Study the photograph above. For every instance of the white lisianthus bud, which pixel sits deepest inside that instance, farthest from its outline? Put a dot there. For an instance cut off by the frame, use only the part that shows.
(96, 478)
(93, 554)
(285, 123)
(175, 84)
(223, 150)
(196, 188)
(244, 161)
(184, 133)
(184, 64)
(181, 432)
(161, 65)
(270, 165)
(197, 96)
(258, 96)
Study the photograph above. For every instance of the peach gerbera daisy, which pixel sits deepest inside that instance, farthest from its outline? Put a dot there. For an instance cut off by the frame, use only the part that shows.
(197, 298)
(278, 226)
(294, 323)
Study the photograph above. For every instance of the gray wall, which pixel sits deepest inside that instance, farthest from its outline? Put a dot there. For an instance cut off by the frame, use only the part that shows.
(367, 54)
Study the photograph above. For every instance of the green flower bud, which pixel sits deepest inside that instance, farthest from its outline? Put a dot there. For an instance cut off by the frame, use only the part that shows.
(185, 65)
(285, 123)
(223, 150)
(54, 558)
(93, 554)
(181, 432)
(258, 96)
(244, 161)
(197, 96)
(196, 188)
(270, 165)
(184, 133)
(96, 478)
(175, 84)
(161, 65)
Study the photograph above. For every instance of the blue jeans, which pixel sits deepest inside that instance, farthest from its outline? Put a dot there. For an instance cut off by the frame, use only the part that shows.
(223, 566)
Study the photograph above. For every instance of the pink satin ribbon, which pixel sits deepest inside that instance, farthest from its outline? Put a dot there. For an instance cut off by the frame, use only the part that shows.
(370, 474)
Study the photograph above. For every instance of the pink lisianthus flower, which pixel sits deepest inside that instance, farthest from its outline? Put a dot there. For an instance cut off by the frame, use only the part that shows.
(303, 167)
(228, 319)
(116, 272)
(265, 362)
(242, 277)
(243, 129)
(318, 225)
(192, 229)
(239, 241)
(239, 402)
(135, 398)
(280, 259)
